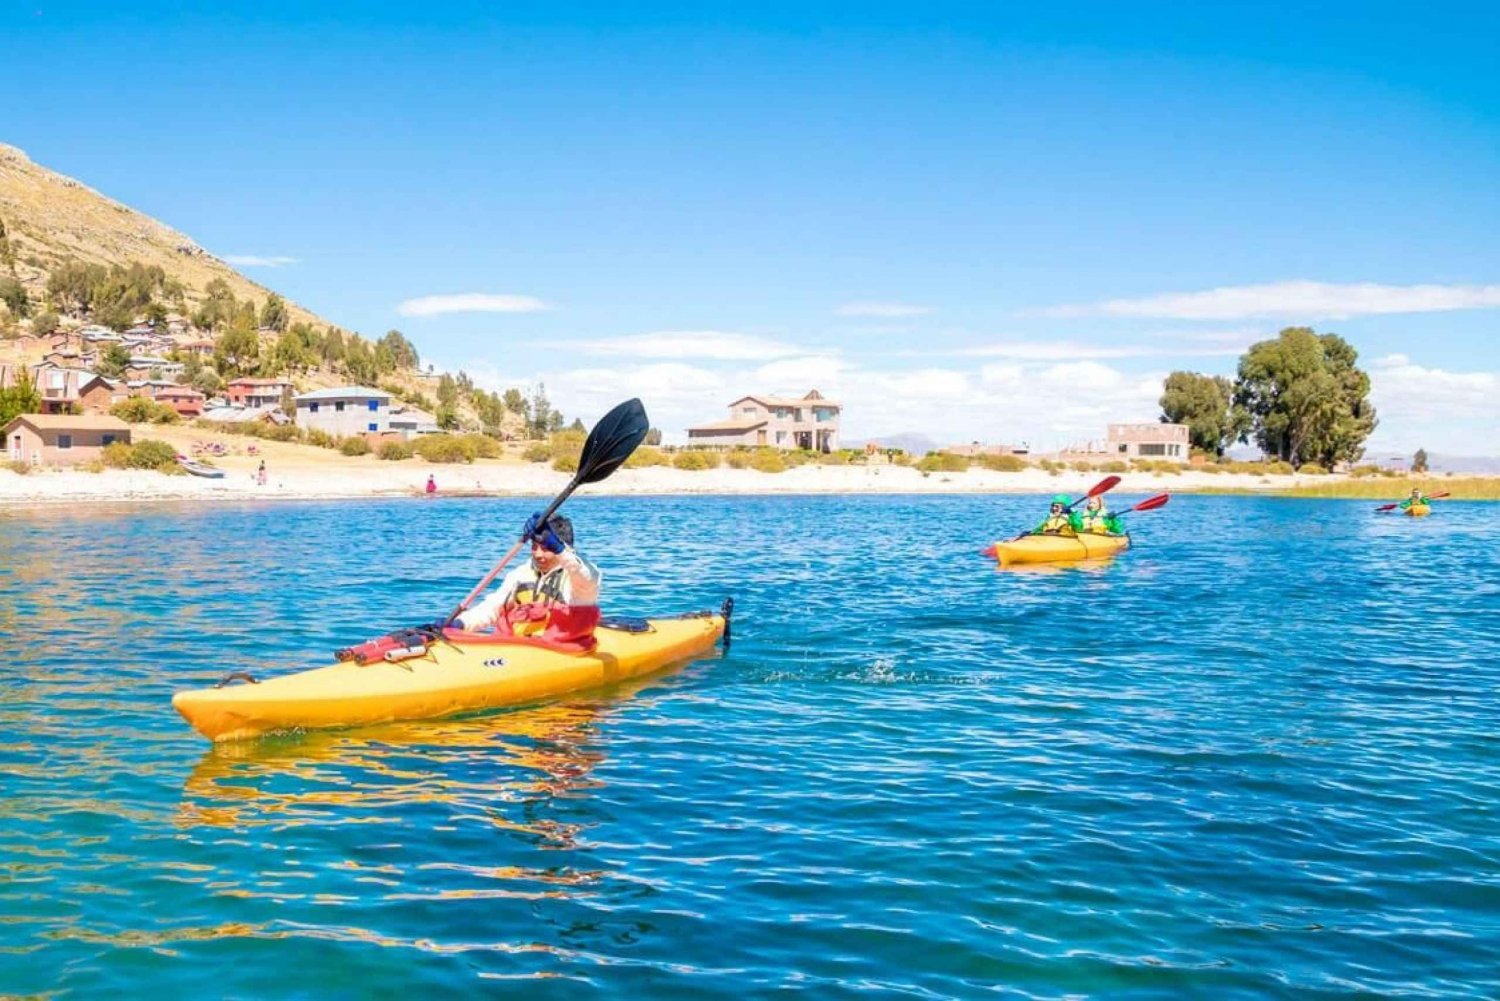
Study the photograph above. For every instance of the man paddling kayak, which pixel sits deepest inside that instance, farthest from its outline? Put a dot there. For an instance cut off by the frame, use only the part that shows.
(1417, 499)
(1058, 520)
(1096, 519)
(553, 597)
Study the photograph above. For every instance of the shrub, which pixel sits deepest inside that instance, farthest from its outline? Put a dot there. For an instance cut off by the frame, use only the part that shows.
(354, 446)
(1279, 468)
(1312, 469)
(321, 438)
(394, 451)
(901, 459)
(1114, 466)
(443, 448)
(565, 463)
(483, 445)
(796, 457)
(116, 455)
(92, 466)
(696, 459)
(22, 468)
(538, 451)
(1368, 469)
(833, 459)
(277, 432)
(149, 453)
(767, 460)
(1049, 465)
(1003, 463)
(943, 462)
(566, 445)
(143, 410)
(1166, 468)
(648, 456)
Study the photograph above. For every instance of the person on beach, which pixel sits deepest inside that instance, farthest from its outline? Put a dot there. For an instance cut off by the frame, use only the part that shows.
(260, 474)
(1095, 519)
(1417, 498)
(1058, 520)
(554, 597)
(431, 484)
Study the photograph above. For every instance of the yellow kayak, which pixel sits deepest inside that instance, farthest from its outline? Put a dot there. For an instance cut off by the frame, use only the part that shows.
(450, 677)
(1059, 548)
(1418, 511)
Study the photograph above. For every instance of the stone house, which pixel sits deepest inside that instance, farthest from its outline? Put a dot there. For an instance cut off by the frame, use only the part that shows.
(61, 439)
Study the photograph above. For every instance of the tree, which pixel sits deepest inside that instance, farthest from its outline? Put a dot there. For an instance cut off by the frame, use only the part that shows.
(237, 348)
(538, 409)
(44, 323)
(402, 352)
(13, 294)
(1205, 403)
(219, 306)
(653, 437)
(333, 346)
(1307, 400)
(446, 417)
(359, 360)
(21, 397)
(7, 250)
(577, 424)
(273, 313)
(1419, 461)
(515, 402)
(447, 391)
(112, 363)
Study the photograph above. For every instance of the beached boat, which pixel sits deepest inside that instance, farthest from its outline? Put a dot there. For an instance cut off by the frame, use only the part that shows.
(200, 468)
(460, 672)
(1058, 548)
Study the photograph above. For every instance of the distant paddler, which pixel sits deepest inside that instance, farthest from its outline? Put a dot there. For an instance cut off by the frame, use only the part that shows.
(1417, 504)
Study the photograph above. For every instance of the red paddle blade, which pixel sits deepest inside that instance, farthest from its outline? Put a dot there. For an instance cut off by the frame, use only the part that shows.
(1103, 486)
(1152, 503)
(990, 552)
(1387, 507)
(1437, 496)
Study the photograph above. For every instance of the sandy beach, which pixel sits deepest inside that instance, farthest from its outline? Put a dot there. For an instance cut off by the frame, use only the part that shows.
(297, 472)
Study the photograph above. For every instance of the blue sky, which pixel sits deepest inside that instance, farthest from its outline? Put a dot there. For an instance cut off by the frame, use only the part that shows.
(962, 220)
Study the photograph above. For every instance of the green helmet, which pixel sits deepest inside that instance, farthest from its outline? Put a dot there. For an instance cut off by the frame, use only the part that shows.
(1063, 499)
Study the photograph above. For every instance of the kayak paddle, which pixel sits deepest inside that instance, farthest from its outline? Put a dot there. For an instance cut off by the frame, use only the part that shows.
(1149, 504)
(1392, 507)
(610, 443)
(1104, 486)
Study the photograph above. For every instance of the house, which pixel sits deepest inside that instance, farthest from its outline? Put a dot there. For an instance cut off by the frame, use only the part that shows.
(239, 415)
(151, 388)
(186, 401)
(61, 439)
(347, 410)
(70, 358)
(143, 367)
(257, 392)
(63, 389)
(411, 422)
(810, 423)
(202, 347)
(1155, 440)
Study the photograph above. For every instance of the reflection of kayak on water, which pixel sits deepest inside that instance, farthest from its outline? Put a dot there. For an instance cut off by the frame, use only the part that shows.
(456, 673)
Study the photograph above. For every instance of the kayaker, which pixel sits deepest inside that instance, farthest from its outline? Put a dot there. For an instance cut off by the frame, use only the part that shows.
(1096, 519)
(554, 596)
(1417, 499)
(1058, 520)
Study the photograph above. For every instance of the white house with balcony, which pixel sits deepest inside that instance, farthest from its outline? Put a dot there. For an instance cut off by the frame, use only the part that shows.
(810, 423)
(345, 411)
(1157, 440)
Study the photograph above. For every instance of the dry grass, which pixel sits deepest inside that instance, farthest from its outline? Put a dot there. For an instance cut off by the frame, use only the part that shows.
(1397, 487)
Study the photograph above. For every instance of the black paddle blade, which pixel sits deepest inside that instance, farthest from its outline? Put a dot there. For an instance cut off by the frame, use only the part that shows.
(613, 439)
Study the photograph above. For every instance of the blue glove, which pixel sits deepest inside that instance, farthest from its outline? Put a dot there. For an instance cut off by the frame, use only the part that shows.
(542, 532)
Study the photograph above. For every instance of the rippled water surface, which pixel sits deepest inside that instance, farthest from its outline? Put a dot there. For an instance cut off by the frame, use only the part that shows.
(1256, 756)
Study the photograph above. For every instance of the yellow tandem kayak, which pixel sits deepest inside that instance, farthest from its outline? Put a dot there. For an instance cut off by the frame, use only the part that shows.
(1059, 548)
(1418, 511)
(450, 677)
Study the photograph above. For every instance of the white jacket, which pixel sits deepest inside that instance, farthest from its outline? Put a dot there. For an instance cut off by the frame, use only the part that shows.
(574, 582)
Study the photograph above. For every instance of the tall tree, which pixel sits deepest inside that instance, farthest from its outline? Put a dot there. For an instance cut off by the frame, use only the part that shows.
(13, 294)
(538, 411)
(21, 397)
(402, 351)
(237, 348)
(1306, 397)
(515, 402)
(273, 314)
(1205, 403)
(1419, 461)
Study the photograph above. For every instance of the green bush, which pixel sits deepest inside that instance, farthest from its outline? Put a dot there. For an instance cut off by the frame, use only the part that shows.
(647, 456)
(833, 459)
(144, 410)
(1114, 466)
(1367, 469)
(567, 463)
(1280, 468)
(443, 448)
(696, 459)
(276, 432)
(149, 453)
(394, 451)
(1049, 465)
(354, 446)
(321, 438)
(767, 460)
(117, 454)
(1002, 463)
(1312, 469)
(483, 445)
(943, 462)
(796, 457)
(538, 451)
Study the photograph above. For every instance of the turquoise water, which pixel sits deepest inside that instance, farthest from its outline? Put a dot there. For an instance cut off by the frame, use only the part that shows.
(1257, 760)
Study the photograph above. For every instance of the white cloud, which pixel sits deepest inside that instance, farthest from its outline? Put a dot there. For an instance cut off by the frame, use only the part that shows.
(1072, 351)
(882, 309)
(257, 261)
(797, 375)
(1457, 413)
(471, 302)
(691, 344)
(1303, 299)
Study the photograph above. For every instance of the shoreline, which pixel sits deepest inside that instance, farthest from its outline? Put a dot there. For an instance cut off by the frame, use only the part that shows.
(351, 479)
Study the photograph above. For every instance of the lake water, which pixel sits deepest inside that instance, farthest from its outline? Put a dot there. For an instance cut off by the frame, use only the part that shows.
(1256, 756)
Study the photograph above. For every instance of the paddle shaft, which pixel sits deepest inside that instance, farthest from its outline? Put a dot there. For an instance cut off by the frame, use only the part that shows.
(505, 560)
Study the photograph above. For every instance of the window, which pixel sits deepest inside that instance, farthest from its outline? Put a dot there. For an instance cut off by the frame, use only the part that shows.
(1153, 448)
(312, 408)
(747, 410)
(1124, 448)
(64, 441)
(781, 437)
(339, 406)
(374, 406)
(373, 426)
(108, 439)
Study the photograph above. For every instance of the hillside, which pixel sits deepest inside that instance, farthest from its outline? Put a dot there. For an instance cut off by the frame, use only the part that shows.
(50, 218)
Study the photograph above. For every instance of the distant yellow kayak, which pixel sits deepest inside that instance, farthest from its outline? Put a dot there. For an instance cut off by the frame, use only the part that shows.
(1059, 548)
(1418, 511)
(450, 677)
